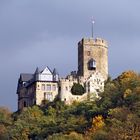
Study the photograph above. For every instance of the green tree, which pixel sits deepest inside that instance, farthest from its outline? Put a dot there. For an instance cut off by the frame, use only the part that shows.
(28, 123)
(77, 89)
(123, 124)
(5, 122)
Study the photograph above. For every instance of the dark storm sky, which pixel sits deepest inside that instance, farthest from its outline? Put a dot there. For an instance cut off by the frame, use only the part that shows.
(46, 32)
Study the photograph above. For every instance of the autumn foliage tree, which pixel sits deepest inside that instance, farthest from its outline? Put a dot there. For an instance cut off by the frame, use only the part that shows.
(113, 116)
(5, 122)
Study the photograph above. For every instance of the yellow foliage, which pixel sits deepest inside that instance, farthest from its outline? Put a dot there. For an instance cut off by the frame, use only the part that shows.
(127, 76)
(97, 123)
(127, 92)
(25, 133)
(137, 90)
(2, 129)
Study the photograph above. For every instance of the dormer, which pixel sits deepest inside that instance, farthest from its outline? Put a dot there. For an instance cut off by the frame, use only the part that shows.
(46, 71)
(46, 75)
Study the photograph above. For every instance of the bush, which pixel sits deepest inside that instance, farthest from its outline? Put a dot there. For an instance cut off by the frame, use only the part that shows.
(77, 89)
(100, 135)
(71, 136)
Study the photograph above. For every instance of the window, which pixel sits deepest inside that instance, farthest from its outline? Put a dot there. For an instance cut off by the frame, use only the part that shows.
(89, 84)
(25, 104)
(34, 102)
(45, 95)
(66, 88)
(92, 64)
(48, 87)
(48, 96)
(54, 87)
(43, 87)
(97, 90)
(88, 53)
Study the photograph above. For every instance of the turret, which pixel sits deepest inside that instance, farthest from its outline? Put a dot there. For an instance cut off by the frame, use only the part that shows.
(55, 75)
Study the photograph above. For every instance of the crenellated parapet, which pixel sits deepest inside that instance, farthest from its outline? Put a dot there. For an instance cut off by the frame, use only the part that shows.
(93, 42)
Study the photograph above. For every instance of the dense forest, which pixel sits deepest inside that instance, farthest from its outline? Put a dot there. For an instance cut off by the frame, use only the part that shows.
(114, 116)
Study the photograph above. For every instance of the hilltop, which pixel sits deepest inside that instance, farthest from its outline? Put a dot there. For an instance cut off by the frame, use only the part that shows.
(116, 115)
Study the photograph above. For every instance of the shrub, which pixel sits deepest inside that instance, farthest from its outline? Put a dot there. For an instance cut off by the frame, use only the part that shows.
(77, 89)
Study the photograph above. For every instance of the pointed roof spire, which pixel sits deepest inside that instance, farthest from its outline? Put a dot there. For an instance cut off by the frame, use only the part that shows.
(55, 72)
(92, 27)
(37, 70)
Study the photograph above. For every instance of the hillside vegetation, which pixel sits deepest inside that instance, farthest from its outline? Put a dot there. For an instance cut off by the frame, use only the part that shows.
(115, 116)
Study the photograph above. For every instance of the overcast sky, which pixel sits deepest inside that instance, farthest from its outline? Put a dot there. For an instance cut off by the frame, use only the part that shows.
(46, 32)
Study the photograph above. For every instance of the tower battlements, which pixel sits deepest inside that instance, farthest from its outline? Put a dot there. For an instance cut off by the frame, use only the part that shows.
(92, 56)
(68, 80)
(93, 42)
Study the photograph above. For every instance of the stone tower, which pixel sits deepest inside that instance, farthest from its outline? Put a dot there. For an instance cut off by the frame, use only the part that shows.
(92, 57)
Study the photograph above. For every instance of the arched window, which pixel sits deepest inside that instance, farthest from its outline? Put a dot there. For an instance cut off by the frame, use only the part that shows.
(25, 104)
(92, 64)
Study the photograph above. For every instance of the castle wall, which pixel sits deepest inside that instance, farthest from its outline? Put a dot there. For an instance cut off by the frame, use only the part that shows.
(65, 92)
(94, 85)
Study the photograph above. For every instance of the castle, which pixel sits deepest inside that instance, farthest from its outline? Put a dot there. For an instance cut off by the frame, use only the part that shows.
(47, 85)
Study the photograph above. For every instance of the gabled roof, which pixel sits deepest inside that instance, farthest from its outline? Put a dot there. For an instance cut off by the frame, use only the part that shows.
(24, 77)
(47, 71)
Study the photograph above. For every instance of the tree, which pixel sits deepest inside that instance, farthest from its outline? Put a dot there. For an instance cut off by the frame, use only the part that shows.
(5, 122)
(95, 131)
(123, 124)
(28, 123)
(77, 89)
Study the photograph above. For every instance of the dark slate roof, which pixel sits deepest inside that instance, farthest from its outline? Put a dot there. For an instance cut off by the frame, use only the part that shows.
(24, 77)
(37, 71)
(55, 72)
